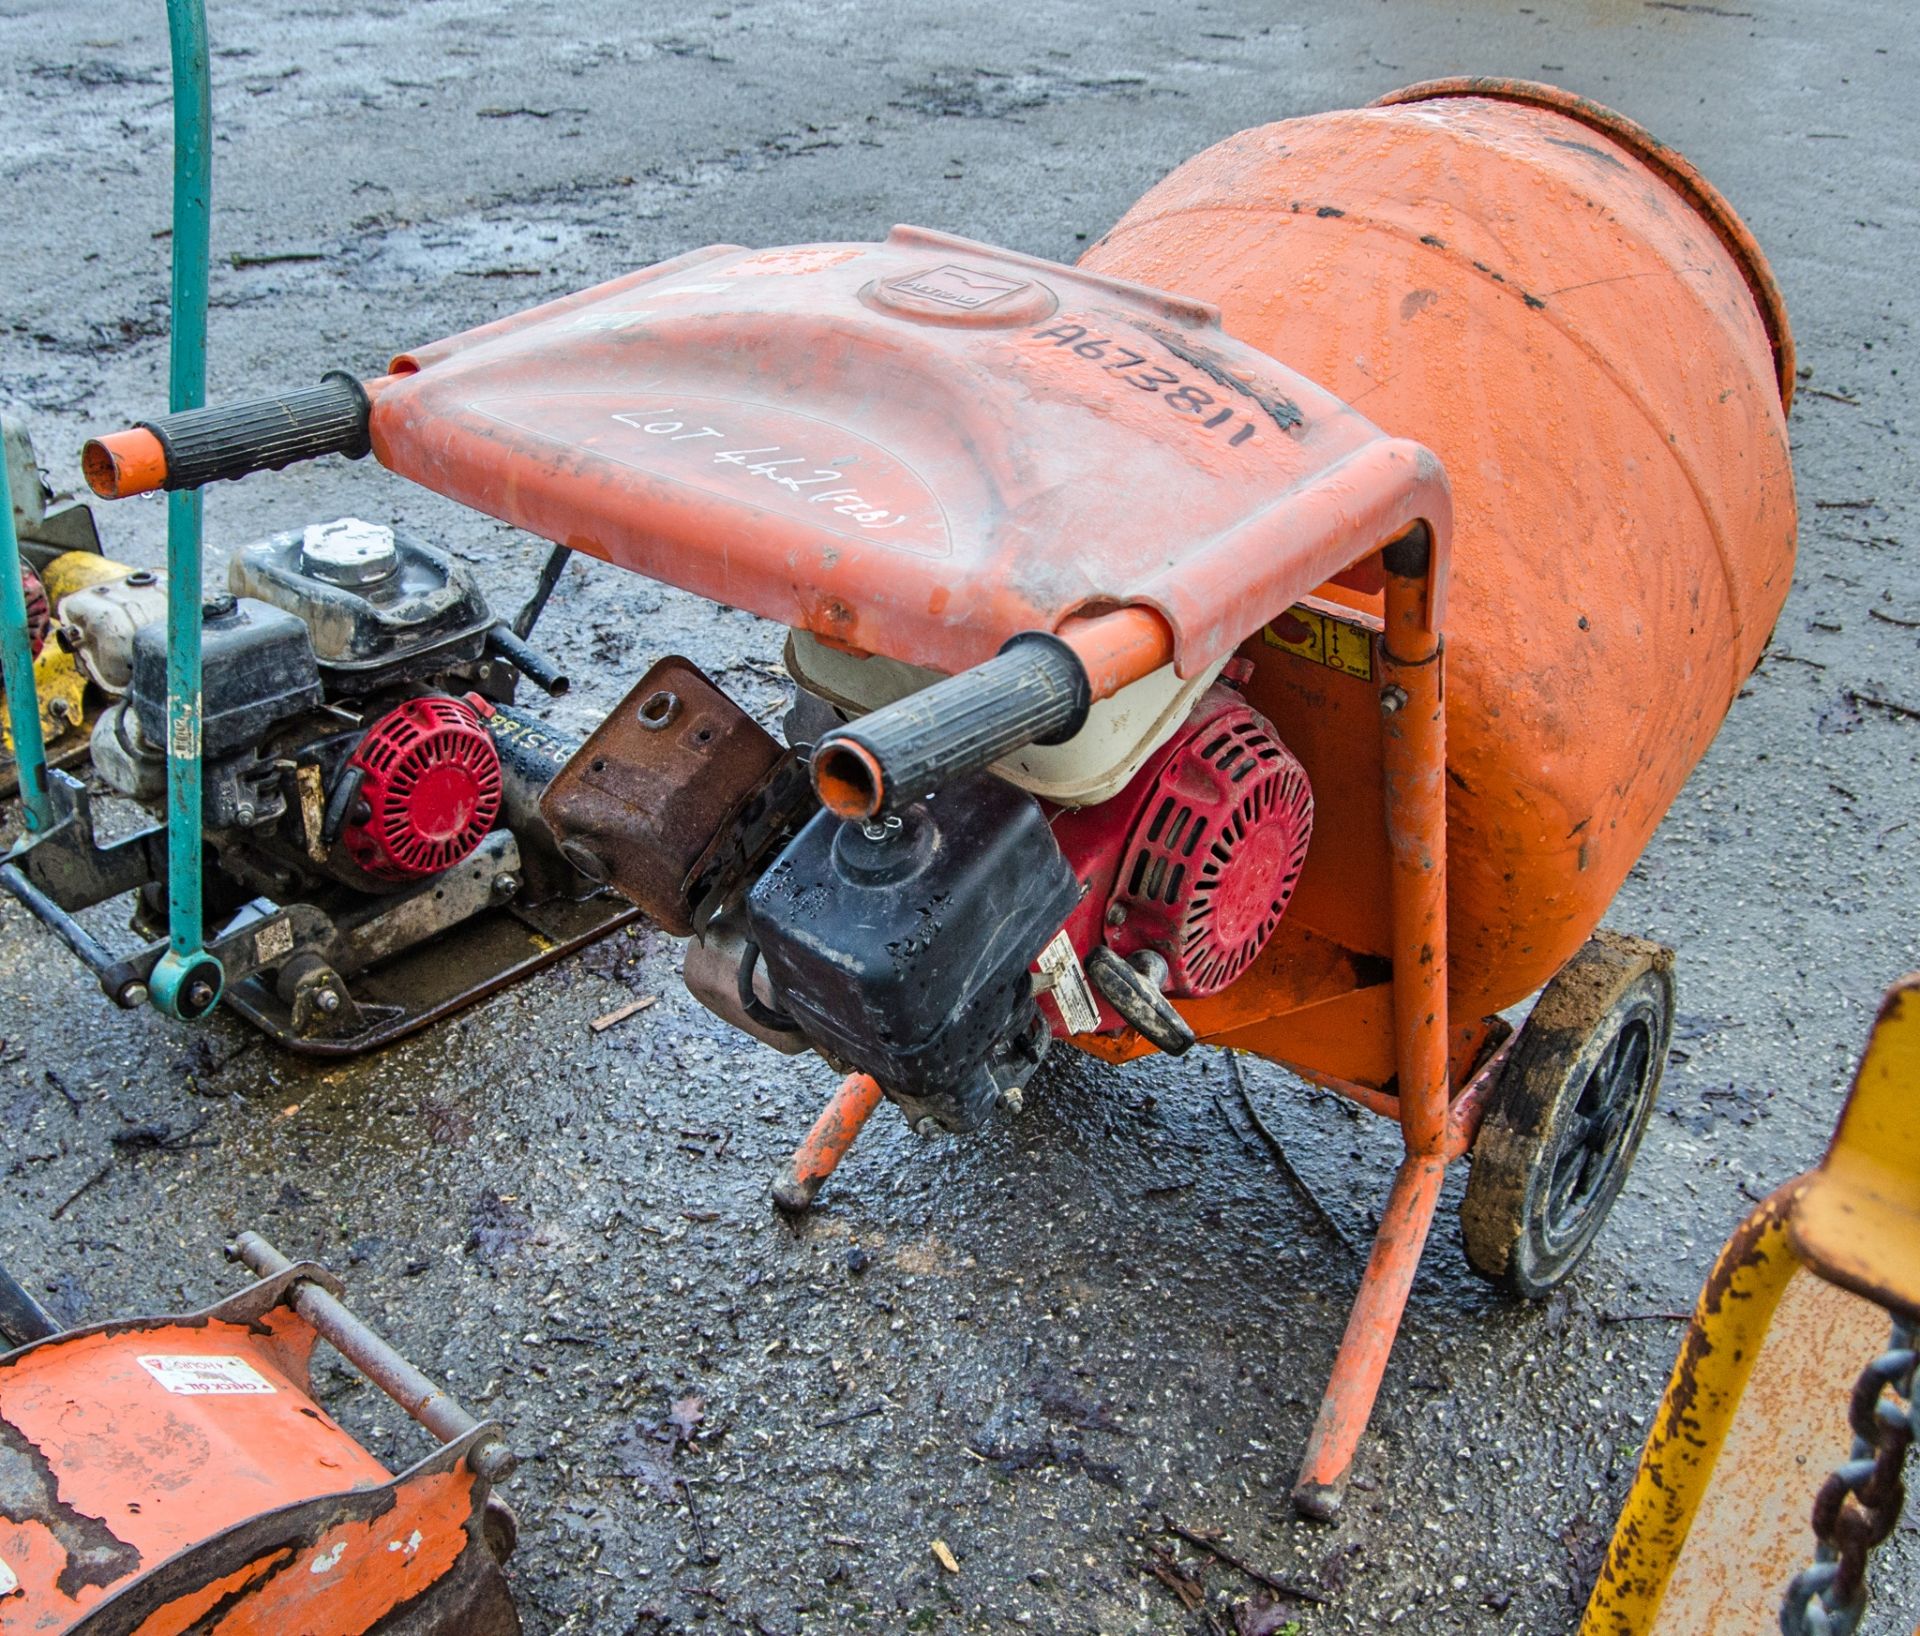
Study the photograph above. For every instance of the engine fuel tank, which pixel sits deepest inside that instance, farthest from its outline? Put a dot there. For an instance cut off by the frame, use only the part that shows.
(1566, 313)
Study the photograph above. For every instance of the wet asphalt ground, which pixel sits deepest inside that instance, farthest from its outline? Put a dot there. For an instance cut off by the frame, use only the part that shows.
(1033, 1344)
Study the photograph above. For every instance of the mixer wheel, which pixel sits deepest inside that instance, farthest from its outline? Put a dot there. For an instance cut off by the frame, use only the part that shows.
(1567, 1114)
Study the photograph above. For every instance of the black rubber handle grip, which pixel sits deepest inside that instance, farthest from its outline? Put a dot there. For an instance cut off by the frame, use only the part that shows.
(229, 440)
(1034, 691)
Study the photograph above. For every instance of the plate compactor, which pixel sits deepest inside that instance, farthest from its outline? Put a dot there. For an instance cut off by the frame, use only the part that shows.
(375, 855)
(1296, 663)
(167, 1476)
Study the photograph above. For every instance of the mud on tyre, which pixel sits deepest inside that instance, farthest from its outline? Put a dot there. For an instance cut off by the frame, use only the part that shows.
(1567, 1114)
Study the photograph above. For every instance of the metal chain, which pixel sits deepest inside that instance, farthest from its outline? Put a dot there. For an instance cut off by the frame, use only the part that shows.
(1859, 1505)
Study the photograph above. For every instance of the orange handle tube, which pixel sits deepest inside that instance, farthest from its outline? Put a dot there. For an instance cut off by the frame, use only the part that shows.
(124, 463)
(193, 447)
(1119, 648)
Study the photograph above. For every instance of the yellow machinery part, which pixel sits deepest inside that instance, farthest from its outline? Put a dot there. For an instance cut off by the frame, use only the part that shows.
(1859, 1223)
(57, 677)
(1754, 1416)
(75, 570)
(1789, 1431)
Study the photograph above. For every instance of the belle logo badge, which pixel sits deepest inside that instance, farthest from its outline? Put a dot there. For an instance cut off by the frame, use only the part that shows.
(960, 287)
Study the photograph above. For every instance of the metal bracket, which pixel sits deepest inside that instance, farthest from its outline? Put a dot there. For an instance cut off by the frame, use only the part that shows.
(1858, 1223)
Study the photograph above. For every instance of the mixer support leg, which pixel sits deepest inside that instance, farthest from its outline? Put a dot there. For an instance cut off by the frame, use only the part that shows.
(1371, 1328)
(816, 1158)
(1413, 726)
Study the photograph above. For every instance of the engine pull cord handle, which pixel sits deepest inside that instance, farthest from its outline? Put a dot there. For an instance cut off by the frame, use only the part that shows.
(199, 446)
(340, 803)
(1035, 690)
(1135, 987)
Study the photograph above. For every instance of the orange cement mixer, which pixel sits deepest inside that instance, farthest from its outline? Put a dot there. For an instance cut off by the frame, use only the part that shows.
(1296, 663)
(1579, 326)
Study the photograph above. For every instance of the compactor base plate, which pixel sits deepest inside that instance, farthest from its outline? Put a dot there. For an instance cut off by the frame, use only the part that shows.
(418, 988)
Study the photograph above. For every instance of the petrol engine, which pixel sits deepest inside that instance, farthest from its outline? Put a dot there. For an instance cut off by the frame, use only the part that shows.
(343, 734)
(1078, 889)
(367, 786)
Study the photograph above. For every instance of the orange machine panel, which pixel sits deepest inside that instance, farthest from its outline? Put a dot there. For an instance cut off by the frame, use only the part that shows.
(1566, 313)
(161, 1435)
(172, 1475)
(916, 448)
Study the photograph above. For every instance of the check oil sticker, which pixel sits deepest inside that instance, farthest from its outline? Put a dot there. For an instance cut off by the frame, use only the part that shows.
(206, 1376)
(1340, 644)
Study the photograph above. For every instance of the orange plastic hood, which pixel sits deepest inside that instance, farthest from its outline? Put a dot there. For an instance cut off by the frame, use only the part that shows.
(915, 448)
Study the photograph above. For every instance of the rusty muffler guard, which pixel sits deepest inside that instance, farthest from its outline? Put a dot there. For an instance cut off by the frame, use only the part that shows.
(675, 794)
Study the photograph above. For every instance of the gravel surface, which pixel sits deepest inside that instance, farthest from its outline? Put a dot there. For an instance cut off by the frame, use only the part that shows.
(1034, 1343)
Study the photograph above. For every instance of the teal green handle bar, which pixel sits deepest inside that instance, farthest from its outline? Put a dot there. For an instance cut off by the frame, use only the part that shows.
(188, 980)
(16, 670)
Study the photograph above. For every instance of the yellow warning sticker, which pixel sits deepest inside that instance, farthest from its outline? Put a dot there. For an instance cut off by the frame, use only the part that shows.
(1326, 639)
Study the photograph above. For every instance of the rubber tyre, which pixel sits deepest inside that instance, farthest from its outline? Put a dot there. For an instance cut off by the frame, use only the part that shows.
(1567, 1114)
(500, 1528)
